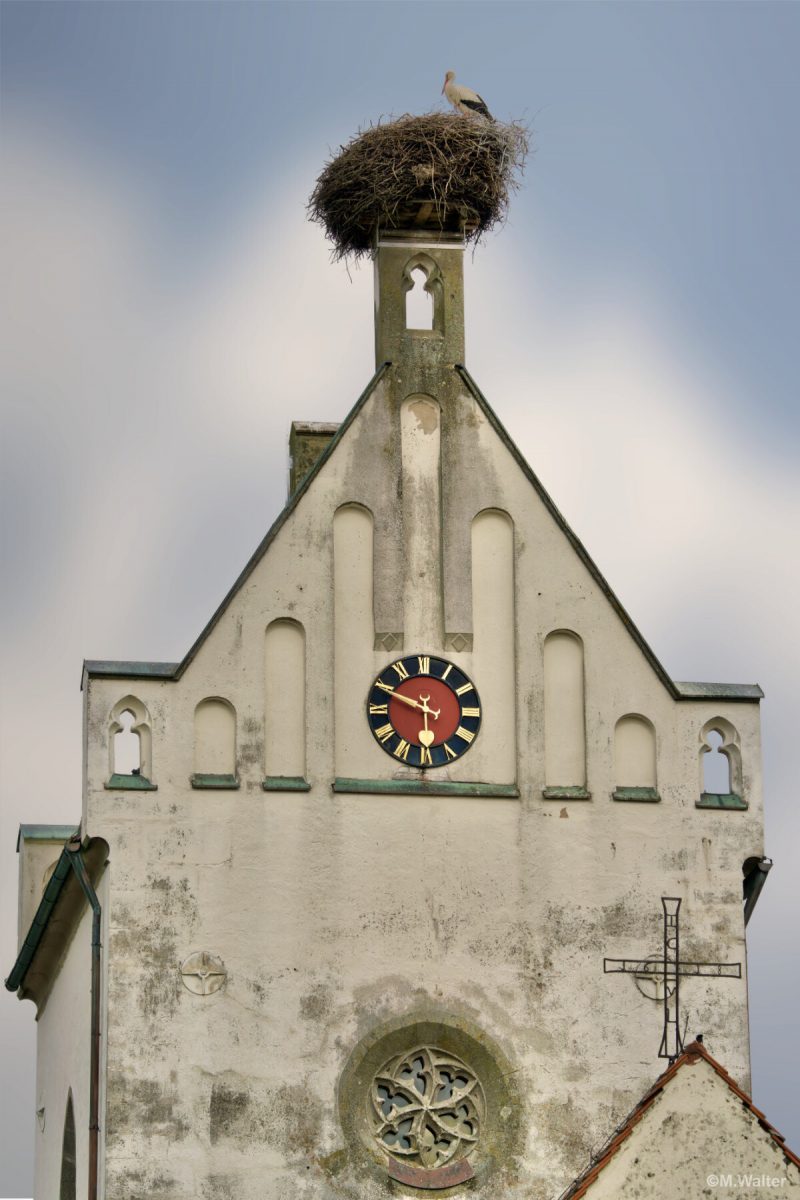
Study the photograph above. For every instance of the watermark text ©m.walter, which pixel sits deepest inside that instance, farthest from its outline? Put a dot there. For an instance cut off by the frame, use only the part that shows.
(744, 1180)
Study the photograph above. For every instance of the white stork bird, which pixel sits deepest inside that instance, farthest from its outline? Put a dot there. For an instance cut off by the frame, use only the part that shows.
(463, 99)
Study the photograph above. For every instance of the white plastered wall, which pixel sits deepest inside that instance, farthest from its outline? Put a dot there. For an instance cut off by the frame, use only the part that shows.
(63, 1061)
(332, 911)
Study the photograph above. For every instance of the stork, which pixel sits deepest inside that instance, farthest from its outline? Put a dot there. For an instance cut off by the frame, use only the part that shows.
(463, 99)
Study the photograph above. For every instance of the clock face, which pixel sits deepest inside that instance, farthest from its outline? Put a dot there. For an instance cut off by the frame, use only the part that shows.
(424, 711)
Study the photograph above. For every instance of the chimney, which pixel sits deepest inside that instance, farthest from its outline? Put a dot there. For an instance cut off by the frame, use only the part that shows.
(308, 441)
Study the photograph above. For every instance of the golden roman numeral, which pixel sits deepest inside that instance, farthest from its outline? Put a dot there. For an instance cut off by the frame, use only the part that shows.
(465, 687)
(447, 672)
(470, 712)
(385, 687)
(450, 753)
(425, 759)
(464, 734)
(402, 673)
(401, 750)
(384, 733)
(377, 710)
(424, 664)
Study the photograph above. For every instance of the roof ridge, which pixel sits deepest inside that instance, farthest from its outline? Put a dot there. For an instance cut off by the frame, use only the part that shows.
(690, 1054)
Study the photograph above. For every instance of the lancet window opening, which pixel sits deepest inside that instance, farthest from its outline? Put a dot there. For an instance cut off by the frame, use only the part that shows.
(424, 295)
(129, 740)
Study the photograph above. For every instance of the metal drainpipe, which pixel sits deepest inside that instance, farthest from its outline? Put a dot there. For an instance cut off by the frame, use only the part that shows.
(79, 867)
(754, 883)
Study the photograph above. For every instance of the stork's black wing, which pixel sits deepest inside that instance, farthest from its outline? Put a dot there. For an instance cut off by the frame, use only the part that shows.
(479, 106)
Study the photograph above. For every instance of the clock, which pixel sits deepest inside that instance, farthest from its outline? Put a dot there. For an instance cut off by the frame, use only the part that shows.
(424, 711)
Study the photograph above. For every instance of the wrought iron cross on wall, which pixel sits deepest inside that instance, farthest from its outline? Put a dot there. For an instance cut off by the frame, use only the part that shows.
(664, 973)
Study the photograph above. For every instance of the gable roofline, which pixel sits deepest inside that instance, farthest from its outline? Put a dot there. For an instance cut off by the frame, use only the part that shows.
(678, 691)
(44, 833)
(62, 903)
(117, 670)
(738, 692)
(691, 1054)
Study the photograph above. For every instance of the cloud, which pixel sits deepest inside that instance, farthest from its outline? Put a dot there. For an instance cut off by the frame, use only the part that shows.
(690, 521)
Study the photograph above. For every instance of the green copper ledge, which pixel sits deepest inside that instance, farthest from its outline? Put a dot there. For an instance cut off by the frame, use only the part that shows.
(640, 795)
(423, 787)
(285, 783)
(214, 782)
(117, 669)
(718, 691)
(129, 783)
(566, 793)
(721, 800)
(44, 833)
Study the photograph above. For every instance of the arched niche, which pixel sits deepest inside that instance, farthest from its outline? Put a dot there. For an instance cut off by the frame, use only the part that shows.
(422, 271)
(214, 743)
(130, 745)
(421, 460)
(564, 718)
(355, 635)
(635, 764)
(353, 539)
(720, 766)
(68, 1170)
(493, 636)
(285, 705)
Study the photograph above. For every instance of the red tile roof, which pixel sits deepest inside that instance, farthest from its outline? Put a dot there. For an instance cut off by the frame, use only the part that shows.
(580, 1186)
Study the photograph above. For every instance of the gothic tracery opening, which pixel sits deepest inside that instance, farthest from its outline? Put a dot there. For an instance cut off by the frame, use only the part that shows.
(427, 1107)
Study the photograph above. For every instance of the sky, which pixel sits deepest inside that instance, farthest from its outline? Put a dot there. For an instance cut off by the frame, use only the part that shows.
(168, 310)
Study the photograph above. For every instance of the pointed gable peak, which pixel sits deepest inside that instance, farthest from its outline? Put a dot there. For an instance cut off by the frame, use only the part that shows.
(737, 1140)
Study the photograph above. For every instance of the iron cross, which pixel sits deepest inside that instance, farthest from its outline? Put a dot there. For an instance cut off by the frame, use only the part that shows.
(665, 972)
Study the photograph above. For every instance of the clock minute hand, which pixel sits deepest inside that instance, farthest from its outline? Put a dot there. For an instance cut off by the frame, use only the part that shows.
(406, 699)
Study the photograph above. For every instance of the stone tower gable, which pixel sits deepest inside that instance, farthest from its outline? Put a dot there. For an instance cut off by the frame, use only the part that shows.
(425, 517)
(307, 917)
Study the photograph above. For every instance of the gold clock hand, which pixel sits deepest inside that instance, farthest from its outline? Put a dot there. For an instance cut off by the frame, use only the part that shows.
(406, 699)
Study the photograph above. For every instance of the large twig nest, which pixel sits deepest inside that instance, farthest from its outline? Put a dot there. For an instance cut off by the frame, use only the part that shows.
(437, 171)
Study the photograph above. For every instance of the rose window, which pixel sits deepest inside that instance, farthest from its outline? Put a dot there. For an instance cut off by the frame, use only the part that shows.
(426, 1108)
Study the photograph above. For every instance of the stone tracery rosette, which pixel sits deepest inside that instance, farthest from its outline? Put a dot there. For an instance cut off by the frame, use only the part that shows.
(426, 1108)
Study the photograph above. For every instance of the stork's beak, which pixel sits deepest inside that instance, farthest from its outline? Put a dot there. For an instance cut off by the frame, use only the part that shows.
(444, 85)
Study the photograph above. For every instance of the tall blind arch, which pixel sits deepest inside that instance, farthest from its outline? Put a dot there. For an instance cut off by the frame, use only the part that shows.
(634, 752)
(564, 724)
(285, 700)
(354, 633)
(214, 737)
(493, 621)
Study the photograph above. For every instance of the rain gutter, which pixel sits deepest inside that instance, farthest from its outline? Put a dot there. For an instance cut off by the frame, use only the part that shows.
(72, 850)
(753, 885)
(55, 885)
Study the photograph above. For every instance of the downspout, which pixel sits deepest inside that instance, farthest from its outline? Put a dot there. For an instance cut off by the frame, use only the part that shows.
(73, 849)
(754, 881)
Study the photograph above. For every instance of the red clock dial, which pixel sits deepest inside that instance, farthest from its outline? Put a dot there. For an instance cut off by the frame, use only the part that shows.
(424, 711)
(439, 711)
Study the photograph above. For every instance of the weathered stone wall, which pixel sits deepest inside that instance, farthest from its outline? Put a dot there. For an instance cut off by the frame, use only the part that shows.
(336, 913)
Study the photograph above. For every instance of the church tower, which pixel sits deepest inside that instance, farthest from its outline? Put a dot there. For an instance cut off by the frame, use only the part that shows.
(412, 883)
